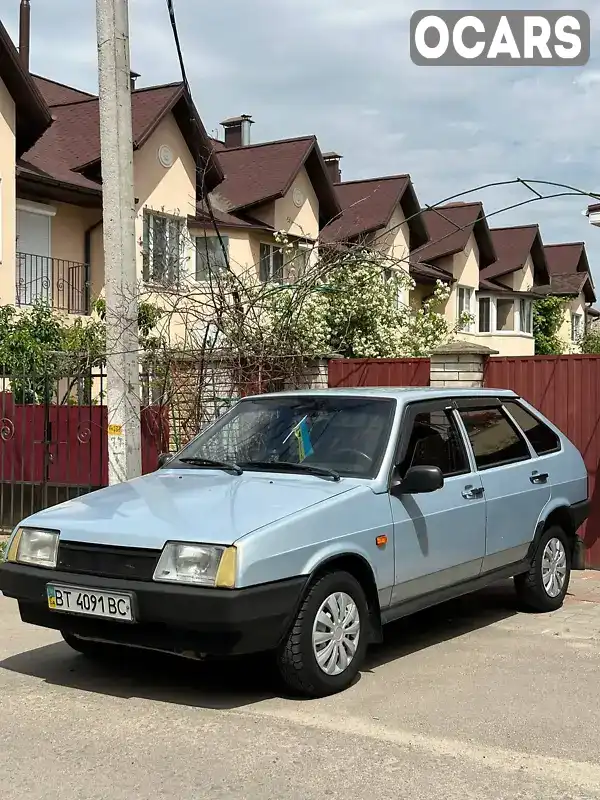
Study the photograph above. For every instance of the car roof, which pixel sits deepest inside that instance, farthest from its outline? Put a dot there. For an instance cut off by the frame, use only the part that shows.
(404, 393)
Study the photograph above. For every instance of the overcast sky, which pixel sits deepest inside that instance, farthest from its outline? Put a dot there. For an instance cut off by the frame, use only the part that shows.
(341, 69)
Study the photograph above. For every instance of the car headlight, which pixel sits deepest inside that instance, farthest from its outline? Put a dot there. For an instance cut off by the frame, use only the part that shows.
(200, 564)
(36, 547)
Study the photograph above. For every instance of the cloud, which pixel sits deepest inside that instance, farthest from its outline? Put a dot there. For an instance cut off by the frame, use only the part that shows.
(341, 69)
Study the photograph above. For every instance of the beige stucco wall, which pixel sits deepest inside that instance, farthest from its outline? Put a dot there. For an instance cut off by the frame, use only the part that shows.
(507, 344)
(244, 246)
(419, 293)
(7, 196)
(303, 221)
(69, 225)
(170, 191)
(464, 267)
(574, 306)
(393, 241)
(521, 280)
(284, 215)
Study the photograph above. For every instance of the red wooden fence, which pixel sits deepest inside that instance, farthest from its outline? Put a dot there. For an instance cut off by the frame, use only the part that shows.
(567, 390)
(378, 372)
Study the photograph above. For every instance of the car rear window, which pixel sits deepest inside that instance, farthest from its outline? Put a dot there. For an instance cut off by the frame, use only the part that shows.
(542, 438)
(494, 439)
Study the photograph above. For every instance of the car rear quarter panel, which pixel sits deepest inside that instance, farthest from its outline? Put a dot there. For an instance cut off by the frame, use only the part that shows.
(567, 470)
(346, 524)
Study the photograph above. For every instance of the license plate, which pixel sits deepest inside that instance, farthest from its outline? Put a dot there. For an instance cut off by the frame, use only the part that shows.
(90, 602)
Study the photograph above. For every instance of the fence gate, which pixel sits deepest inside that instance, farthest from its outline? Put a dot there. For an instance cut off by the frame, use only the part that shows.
(54, 451)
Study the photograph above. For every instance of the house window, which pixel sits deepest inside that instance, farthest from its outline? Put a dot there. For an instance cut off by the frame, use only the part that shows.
(271, 263)
(299, 261)
(576, 326)
(485, 315)
(526, 316)
(211, 257)
(505, 315)
(465, 304)
(162, 248)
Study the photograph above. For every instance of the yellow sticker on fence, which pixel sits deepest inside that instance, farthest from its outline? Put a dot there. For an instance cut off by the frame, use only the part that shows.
(115, 430)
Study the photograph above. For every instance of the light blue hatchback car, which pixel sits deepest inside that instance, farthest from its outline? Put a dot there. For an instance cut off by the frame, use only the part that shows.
(302, 522)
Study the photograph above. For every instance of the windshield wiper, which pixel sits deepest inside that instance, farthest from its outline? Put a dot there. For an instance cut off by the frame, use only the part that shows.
(208, 462)
(290, 466)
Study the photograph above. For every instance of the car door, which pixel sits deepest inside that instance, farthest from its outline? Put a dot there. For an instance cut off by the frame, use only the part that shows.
(439, 537)
(516, 489)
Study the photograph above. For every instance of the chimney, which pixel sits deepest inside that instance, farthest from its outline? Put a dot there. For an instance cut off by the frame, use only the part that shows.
(332, 162)
(133, 76)
(237, 130)
(24, 33)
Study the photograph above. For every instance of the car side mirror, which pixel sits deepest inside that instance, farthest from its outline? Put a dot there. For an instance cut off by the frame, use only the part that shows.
(419, 480)
(164, 458)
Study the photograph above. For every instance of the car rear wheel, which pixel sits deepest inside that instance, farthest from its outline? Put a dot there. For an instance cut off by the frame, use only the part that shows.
(325, 648)
(545, 586)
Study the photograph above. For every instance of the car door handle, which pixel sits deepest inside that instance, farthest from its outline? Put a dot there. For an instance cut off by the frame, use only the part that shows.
(539, 477)
(471, 492)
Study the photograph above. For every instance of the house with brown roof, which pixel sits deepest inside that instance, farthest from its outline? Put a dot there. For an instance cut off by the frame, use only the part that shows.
(59, 216)
(459, 248)
(24, 116)
(508, 289)
(571, 279)
(382, 214)
(57, 184)
(491, 271)
(268, 188)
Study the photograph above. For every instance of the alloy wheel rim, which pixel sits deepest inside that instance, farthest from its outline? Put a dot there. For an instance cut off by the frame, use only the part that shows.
(336, 632)
(554, 567)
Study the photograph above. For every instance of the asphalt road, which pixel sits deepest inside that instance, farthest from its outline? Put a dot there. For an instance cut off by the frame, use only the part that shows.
(471, 700)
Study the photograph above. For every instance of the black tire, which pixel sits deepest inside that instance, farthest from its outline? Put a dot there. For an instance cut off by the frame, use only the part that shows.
(296, 658)
(530, 588)
(96, 651)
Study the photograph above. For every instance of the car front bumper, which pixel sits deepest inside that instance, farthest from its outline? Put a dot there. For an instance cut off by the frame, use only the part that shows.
(181, 619)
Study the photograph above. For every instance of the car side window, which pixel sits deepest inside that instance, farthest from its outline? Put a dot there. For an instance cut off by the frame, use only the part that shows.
(435, 441)
(494, 439)
(541, 437)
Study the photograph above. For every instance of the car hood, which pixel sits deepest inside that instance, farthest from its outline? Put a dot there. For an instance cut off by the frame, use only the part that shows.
(186, 505)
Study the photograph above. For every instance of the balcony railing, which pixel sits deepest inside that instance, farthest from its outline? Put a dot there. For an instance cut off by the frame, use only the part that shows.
(64, 285)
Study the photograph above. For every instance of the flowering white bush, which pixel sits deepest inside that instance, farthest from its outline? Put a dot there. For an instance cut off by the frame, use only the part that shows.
(348, 303)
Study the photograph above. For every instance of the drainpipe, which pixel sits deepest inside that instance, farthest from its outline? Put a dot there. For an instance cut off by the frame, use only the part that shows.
(87, 257)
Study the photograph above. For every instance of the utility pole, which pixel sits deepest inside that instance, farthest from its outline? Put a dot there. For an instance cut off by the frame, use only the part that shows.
(120, 273)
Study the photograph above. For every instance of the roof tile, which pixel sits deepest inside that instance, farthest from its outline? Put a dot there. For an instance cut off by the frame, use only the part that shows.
(260, 172)
(73, 140)
(565, 258)
(513, 247)
(366, 206)
(450, 227)
(565, 284)
(56, 94)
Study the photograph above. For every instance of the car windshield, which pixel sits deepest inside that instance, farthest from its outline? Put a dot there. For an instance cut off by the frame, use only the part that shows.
(334, 434)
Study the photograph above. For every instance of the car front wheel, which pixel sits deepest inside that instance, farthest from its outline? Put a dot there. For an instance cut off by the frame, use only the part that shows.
(545, 586)
(325, 648)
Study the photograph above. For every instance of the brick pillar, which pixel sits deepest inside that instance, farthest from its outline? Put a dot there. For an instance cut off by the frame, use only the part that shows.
(315, 374)
(459, 365)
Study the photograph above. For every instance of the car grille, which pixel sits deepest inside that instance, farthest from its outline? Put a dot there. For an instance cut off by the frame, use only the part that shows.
(109, 562)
